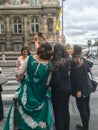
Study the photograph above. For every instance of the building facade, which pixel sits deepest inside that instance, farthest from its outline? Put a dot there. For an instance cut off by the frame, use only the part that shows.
(21, 19)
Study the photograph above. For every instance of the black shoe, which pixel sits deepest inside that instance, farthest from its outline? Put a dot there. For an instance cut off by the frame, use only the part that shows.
(79, 127)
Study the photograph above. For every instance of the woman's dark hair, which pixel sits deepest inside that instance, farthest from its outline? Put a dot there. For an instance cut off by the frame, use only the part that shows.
(77, 50)
(60, 55)
(45, 51)
(60, 52)
(25, 48)
(77, 56)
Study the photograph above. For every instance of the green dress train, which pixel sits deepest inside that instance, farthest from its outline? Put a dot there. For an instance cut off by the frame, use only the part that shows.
(34, 103)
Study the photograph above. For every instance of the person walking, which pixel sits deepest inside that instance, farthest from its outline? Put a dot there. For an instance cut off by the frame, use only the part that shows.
(3, 58)
(34, 106)
(60, 87)
(81, 86)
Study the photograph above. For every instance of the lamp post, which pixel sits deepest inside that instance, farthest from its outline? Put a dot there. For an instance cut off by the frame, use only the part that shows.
(62, 16)
(62, 36)
(89, 45)
(96, 42)
(23, 41)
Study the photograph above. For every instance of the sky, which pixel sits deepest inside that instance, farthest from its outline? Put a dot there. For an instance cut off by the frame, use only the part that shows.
(80, 21)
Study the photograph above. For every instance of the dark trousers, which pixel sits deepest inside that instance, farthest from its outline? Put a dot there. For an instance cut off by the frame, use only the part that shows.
(61, 111)
(84, 110)
(1, 108)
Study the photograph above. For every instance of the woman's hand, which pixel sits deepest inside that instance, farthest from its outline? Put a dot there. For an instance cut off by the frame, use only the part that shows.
(44, 38)
(78, 94)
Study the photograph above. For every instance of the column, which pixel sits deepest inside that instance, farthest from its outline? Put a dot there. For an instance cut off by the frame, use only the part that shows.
(8, 34)
(25, 30)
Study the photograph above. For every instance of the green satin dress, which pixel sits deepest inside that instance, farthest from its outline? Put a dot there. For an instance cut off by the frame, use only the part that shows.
(34, 103)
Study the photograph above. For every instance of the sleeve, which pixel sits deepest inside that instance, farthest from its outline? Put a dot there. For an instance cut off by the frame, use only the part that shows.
(89, 64)
(17, 65)
(22, 70)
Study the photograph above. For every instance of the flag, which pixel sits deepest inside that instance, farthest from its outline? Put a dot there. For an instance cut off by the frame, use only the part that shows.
(58, 28)
(60, 13)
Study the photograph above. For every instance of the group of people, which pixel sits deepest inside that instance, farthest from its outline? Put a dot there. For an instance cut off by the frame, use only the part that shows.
(47, 79)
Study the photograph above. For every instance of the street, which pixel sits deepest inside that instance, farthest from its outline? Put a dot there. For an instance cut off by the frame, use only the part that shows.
(12, 85)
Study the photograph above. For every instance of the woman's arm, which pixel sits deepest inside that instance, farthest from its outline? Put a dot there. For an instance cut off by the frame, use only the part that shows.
(23, 68)
(36, 41)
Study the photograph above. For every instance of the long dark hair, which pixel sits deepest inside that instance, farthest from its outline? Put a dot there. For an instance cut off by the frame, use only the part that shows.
(77, 56)
(60, 55)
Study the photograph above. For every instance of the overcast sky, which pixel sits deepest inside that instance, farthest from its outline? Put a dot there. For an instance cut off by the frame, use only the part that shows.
(80, 21)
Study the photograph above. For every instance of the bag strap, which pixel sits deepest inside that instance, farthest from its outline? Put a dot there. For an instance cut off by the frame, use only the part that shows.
(91, 74)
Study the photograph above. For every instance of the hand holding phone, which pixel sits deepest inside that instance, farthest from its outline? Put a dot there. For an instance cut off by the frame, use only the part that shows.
(40, 33)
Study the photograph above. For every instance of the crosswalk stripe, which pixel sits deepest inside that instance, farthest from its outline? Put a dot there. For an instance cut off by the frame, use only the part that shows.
(7, 97)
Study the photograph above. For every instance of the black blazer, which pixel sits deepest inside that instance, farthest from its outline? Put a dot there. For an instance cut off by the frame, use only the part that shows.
(0, 88)
(60, 81)
(80, 80)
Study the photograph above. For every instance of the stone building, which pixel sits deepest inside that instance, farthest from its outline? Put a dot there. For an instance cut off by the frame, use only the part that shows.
(20, 19)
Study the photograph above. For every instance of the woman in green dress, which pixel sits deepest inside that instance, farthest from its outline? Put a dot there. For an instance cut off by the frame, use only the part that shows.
(34, 104)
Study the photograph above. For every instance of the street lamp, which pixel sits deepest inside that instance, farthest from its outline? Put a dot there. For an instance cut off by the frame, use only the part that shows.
(23, 40)
(89, 45)
(62, 16)
(96, 42)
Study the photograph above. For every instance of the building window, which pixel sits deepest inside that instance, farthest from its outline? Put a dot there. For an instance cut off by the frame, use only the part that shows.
(33, 2)
(50, 24)
(16, 2)
(34, 25)
(2, 27)
(17, 26)
(1, 2)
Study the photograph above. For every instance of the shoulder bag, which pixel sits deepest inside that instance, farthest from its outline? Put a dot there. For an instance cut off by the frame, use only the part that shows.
(94, 83)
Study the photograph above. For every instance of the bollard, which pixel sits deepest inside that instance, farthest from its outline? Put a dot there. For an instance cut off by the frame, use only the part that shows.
(15, 114)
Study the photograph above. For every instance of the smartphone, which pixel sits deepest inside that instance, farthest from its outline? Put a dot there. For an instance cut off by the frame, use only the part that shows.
(40, 33)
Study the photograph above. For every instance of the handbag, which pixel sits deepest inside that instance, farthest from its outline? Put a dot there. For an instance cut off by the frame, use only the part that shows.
(94, 83)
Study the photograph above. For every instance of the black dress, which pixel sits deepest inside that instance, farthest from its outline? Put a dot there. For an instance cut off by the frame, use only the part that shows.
(1, 105)
(61, 90)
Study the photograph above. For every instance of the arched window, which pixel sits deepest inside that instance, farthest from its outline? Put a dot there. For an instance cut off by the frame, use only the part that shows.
(2, 26)
(34, 25)
(33, 2)
(50, 24)
(17, 26)
(16, 2)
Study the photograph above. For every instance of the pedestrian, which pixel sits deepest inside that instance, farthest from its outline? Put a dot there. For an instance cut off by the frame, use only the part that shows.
(1, 102)
(24, 55)
(60, 87)
(94, 54)
(3, 58)
(80, 83)
(33, 95)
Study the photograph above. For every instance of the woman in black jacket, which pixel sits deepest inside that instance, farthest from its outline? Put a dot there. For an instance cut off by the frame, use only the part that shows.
(60, 83)
(81, 86)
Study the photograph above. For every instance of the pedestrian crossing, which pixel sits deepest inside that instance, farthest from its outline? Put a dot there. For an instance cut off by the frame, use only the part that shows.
(10, 87)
